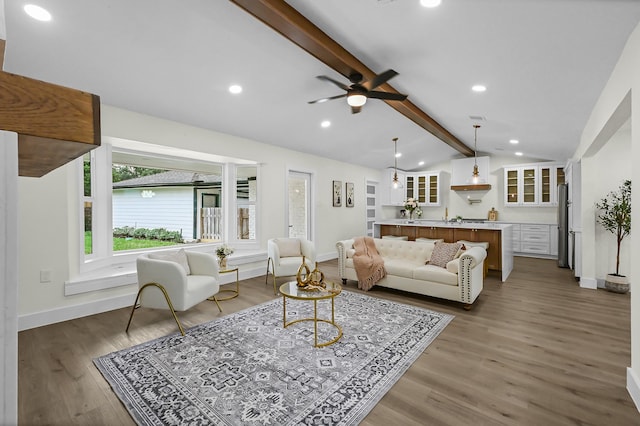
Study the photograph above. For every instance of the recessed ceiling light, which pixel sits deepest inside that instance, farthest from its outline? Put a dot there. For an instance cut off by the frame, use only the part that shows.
(519, 154)
(479, 88)
(325, 123)
(235, 89)
(421, 163)
(430, 3)
(398, 154)
(37, 12)
(514, 141)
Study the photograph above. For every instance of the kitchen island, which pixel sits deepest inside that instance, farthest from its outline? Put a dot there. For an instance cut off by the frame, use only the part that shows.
(498, 235)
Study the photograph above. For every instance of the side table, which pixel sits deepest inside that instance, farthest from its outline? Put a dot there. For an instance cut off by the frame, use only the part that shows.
(234, 293)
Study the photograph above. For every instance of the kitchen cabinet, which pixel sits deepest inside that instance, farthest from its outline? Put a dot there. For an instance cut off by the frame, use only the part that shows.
(435, 232)
(399, 231)
(492, 237)
(535, 240)
(533, 185)
(424, 187)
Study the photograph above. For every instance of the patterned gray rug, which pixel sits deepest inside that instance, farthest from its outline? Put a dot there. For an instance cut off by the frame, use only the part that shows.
(245, 369)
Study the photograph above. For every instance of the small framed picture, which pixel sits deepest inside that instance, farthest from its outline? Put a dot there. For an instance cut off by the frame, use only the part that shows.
(348, 194)
(337, 193)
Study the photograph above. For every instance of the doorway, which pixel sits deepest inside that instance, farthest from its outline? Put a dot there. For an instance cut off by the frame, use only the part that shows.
(299, 202)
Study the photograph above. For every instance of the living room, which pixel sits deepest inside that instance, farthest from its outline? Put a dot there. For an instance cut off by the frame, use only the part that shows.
(49, 234)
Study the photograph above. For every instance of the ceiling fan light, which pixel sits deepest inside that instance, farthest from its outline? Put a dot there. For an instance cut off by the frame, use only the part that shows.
(356, 99)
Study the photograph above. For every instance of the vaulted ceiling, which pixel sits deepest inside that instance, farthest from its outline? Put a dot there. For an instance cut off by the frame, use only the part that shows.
(544, 63)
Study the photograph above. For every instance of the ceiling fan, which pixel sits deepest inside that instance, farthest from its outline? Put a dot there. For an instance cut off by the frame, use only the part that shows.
(359, 91)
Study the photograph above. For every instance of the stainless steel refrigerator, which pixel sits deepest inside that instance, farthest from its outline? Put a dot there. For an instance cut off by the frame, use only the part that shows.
(563, 225)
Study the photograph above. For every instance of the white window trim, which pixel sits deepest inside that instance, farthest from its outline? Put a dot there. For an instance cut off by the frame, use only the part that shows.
(104, 262)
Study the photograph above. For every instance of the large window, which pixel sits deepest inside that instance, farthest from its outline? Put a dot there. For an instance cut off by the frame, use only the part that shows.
(152, 200)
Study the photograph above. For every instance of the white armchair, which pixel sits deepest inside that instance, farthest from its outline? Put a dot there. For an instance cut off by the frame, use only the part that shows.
(285, 257)
(175, 280)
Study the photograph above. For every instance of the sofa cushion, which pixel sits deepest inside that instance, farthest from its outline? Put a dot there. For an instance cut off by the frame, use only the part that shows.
(393, 237)
(429, 240)
(435, 274)
(444, 253)
(399, 267)
(289, 247)
(179, 257)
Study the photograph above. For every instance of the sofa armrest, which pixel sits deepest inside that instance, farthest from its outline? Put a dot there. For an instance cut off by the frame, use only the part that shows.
(342, 247)
(471, 274)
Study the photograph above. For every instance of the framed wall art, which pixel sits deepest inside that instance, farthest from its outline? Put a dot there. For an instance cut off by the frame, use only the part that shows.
(337, 193)
(348, 194)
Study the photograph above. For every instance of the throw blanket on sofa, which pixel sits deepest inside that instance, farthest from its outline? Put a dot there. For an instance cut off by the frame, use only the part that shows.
(367, 262)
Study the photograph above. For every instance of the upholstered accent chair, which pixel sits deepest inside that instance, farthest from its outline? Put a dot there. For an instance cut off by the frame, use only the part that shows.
(175, 280)
(285, 257)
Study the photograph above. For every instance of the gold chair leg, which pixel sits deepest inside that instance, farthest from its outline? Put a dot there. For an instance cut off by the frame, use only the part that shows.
(273, 272)
(167, 298)
(266, 276)
(216, 300)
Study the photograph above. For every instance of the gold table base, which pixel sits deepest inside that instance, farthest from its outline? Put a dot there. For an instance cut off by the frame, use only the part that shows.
(315, 320)
(234, 293)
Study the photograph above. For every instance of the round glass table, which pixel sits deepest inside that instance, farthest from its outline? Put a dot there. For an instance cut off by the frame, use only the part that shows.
(291, 290)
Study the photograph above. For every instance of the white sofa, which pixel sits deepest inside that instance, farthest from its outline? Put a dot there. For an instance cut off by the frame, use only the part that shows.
(407, 269)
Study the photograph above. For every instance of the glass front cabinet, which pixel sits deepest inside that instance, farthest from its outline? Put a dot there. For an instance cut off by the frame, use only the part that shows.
(532, 184)
(425, 187)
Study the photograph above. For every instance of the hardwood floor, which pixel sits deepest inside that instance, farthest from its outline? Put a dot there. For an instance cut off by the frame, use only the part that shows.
(537, 350)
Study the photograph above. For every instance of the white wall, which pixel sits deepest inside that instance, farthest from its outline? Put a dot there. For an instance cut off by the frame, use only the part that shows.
(457, 203)
(617, 102)
(605, 178)
(49, 213)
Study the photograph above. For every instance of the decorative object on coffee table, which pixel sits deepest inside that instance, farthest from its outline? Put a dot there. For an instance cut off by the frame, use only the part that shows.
(615, 216)
(309, 280)
(223, 252)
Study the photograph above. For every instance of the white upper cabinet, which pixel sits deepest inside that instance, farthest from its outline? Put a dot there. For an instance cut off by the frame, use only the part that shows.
(425, 187)
(532, 184)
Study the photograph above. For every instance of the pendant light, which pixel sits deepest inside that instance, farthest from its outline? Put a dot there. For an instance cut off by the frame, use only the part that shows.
(395, 182)
(476, 174)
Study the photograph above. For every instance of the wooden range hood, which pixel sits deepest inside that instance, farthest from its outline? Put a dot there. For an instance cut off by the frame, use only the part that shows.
(55, 124)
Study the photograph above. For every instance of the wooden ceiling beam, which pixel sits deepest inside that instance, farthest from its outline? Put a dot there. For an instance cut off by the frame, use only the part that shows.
(286, 20)
(55, 124)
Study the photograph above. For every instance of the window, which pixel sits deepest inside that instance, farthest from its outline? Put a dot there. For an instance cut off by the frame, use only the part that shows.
(246, 197)
(142, 199)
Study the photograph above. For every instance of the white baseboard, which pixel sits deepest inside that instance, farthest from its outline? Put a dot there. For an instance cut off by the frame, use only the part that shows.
(633, 387)
(588, 283)
(65, 313)
(52, 316)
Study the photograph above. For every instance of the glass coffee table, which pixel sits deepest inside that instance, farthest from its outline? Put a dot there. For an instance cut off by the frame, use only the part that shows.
(290, 290)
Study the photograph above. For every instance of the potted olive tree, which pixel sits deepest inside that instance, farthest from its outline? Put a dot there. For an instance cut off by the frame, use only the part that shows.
(615, 217)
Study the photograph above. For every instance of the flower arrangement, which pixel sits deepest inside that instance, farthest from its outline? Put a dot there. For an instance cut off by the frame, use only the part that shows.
(224, 251)
(411, 205)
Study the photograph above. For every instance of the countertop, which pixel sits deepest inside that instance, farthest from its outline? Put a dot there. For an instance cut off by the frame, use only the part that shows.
(441, 224)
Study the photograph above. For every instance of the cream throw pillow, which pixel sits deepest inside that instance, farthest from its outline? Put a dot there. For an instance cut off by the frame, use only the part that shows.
(179, 257)
(289, 247)
(444, 253)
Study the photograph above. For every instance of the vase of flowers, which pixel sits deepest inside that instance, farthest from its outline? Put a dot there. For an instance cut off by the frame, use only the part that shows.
(411, 205)
(222, 252)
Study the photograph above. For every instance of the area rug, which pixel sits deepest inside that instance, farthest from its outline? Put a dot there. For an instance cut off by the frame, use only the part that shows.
(246, 369)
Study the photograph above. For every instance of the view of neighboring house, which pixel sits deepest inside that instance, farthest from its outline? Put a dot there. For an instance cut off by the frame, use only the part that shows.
(181, 201)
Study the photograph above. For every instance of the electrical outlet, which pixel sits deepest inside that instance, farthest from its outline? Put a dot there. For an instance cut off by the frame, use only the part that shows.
(45, 276)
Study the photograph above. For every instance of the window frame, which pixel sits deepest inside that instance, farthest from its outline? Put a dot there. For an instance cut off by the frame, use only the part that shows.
(102, 255)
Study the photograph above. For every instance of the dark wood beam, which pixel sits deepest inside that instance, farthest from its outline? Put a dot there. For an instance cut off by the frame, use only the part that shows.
(55, 124)
(284, 19)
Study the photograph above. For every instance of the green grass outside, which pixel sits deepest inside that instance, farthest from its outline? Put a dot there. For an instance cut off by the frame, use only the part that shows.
(120, 244)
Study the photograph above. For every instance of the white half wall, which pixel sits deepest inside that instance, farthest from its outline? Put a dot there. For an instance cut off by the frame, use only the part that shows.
(624, 80)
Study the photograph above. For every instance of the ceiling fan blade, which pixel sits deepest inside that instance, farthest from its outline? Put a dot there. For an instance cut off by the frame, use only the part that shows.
(379, 79)
(337, 83)
(387, 96)
(321, 100)
(356, 109)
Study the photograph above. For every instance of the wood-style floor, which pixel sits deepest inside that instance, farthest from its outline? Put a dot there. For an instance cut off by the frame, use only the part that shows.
(537, 350)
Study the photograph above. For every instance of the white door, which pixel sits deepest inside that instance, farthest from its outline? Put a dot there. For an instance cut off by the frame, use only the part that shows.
(299, 217)
(372, 206)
